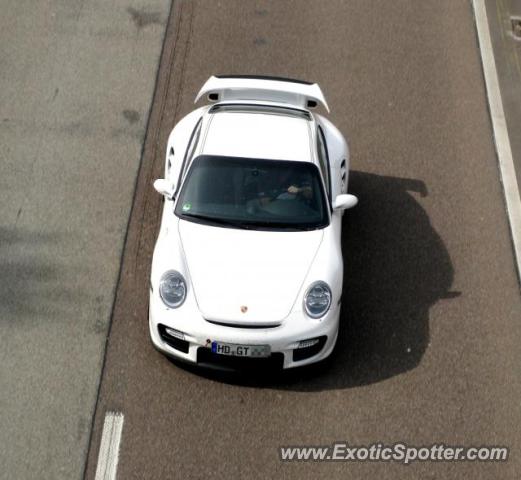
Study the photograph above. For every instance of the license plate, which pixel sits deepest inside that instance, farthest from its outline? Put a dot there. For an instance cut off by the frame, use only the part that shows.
(235, 350)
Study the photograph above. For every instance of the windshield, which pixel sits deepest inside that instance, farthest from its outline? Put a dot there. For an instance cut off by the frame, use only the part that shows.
(252, 193)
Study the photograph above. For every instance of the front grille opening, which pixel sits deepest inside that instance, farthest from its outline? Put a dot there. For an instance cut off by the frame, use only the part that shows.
(241, 325)
(206, 358)
(308, 352)
(174, 342)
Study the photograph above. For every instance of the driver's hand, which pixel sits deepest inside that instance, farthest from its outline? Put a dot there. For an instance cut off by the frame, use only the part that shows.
(293, 189)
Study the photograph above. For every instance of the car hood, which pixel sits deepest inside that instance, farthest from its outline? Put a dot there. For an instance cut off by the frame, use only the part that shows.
(261, 270)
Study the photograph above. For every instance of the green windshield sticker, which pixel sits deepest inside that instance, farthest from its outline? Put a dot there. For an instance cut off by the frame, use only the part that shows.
(186, 207)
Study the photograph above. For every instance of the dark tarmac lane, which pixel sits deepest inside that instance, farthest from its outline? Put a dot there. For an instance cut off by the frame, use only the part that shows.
(429, 349)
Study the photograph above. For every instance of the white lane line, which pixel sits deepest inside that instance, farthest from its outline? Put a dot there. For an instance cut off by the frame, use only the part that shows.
(109, 449)
(504, 151)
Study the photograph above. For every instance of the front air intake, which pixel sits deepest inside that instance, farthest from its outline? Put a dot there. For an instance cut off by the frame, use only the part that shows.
(173, 338)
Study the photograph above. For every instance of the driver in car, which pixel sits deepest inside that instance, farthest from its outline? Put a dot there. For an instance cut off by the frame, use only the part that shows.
(287, 187)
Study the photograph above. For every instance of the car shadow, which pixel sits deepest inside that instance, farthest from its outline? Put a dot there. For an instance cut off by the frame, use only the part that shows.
(395, 268)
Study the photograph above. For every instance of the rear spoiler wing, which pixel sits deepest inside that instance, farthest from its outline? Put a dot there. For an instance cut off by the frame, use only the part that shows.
(272, 89)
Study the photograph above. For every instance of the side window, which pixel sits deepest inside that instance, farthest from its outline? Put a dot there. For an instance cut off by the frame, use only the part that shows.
(323, 159)
(191, 148)
(192, 144)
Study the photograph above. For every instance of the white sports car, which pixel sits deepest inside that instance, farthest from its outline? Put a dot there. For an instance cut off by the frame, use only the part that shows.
(247, 268)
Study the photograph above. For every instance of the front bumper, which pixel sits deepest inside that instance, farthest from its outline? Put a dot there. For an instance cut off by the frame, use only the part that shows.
(198, 334)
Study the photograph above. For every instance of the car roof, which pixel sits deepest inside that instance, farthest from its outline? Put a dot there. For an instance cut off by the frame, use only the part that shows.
(258, 132)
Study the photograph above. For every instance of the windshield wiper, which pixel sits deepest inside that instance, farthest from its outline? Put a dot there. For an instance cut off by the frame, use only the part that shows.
(283, 227)
(219, 221)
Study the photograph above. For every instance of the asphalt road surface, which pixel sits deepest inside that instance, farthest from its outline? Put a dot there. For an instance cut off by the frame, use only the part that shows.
(429, 349)
(76, 83)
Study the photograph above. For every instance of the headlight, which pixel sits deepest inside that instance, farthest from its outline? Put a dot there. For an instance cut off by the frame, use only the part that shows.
(172, 289)
(317, 299)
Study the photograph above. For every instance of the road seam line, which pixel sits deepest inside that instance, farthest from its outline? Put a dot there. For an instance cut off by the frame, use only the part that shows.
(499, 126)
(109, 448)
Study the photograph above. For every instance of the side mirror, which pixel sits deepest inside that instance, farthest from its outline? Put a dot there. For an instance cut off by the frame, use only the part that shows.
(345, 201)
(164, 187)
